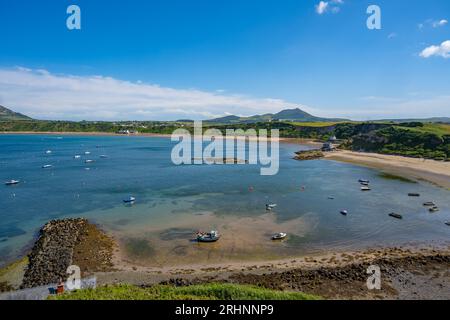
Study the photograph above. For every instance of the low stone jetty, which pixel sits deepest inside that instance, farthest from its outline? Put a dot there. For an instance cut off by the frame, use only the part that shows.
(53, 252)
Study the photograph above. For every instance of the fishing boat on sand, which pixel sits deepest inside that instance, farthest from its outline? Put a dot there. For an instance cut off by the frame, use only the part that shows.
(279, 236)
(395, 215)
(212, 236)
(12, 182)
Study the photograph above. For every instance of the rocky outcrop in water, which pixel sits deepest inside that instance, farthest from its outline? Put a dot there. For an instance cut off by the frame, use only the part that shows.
(309, 155)
(53, 252)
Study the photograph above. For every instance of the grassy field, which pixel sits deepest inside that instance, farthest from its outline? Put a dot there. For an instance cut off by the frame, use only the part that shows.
(313, 124)
(439, 129)
(212, 291)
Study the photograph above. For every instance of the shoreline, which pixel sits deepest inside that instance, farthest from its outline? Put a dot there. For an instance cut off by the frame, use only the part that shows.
(436, 172)
(312, 142)
(335, 274)
(409, 271)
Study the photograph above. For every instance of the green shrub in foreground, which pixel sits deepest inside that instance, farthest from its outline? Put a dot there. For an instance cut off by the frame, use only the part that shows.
(213, 291)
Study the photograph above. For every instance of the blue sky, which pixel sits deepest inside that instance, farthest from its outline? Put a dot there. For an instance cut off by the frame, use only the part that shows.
(205, 58)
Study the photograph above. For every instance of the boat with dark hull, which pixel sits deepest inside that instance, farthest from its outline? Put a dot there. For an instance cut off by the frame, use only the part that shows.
(396, 215)
(212, 236)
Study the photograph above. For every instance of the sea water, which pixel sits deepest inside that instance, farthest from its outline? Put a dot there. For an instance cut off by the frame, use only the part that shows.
(175, 201)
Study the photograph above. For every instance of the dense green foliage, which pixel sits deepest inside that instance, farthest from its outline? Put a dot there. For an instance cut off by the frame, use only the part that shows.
(214, 291)
(405, 141)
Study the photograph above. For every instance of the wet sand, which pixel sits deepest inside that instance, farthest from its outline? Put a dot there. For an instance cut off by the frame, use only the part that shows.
(416, 272)
(437, 172)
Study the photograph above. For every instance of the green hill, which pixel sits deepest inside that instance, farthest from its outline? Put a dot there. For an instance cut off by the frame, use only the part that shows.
(8, 115)
(289, 115)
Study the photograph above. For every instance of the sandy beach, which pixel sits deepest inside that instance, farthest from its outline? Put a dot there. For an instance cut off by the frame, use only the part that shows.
(437, 172)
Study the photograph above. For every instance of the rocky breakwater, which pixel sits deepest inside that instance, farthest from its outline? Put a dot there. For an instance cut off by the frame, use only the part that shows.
(62, 243)
(309, 155)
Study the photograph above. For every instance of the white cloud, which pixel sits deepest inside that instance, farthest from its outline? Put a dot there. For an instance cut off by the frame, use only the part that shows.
(322, 7)
(439, 23)
(433, 23)
(413, 106)
(332, 5)
(442, 50)
(46, 95)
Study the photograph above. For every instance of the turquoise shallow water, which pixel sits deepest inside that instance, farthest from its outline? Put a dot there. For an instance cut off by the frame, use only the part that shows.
(174, 200)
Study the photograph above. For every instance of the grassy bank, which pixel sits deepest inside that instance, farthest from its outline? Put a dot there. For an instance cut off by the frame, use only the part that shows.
(213, 291)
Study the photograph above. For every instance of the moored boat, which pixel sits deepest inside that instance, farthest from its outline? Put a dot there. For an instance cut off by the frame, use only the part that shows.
(279, 236)
(89, 161)
(271, 206)
(429, 204)
(434, 209)
(47, 166)
(344, 212)
(395, 215)
(412, 194)
(12, 182)
(77, 156)
(212, 236)
(448, 223)
(363, 181)
(365, 188)
(129, 200)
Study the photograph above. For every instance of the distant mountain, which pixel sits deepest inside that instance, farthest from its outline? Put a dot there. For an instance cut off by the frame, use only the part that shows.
(292, 115)
(6, 114)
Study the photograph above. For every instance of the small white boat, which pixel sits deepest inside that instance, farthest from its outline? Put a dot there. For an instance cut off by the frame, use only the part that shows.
(365, 188)
(87, 153)
(271, 206)
(212, 236)
(89, 161)
(77, 156)
(344, 212)
(12, 182)
(130, 200)
(47, 166)
(48, 151)
(279, 236)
